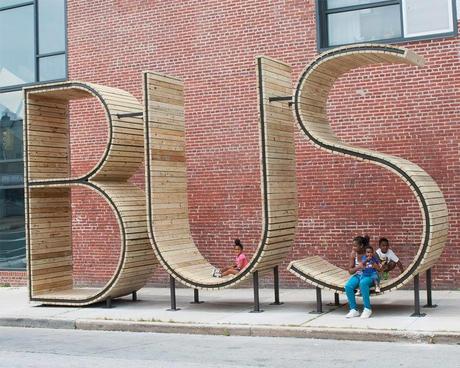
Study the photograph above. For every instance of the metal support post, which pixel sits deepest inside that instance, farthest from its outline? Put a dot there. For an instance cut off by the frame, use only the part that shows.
(336, 299)
(276, 285)
(108, 302)
(319, 302)
(172, 291)
(130, 115)
(429, 300)
(255, 279)
(280, 98)
(134, 296)
(196, 297)
(336, 302)
(417, 298)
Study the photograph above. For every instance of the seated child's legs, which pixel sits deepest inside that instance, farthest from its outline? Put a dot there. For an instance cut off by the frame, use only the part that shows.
(375, 277)
(388, 266)
(230, 271)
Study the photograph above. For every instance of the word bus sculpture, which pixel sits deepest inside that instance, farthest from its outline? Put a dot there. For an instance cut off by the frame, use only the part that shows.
(156, 225)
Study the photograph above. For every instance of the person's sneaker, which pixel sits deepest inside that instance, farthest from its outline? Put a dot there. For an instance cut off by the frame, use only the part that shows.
(216, 272)
(366, 313)
(377, 289)
(352, 313)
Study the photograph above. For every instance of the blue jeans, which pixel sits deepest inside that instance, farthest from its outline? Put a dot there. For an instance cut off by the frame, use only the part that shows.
(375, 277)
(364, 283)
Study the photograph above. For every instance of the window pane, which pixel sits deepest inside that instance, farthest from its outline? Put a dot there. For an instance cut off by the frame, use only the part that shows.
(52, 67)
(423, 17)
(332, 4)
(12, 236)
(51, 26)
(5, 3)
(364, 25)
(17, 49)
(11, 112)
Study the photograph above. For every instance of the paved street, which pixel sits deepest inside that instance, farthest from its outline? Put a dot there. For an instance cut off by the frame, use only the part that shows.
(20, 347)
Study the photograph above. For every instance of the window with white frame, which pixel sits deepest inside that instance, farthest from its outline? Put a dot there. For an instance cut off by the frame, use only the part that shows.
(343, 22)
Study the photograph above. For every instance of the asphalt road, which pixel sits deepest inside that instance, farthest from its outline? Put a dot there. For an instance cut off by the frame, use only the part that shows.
(37, 348)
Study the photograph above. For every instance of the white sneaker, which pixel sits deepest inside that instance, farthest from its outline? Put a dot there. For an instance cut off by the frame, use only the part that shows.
(366, 313)
(216, 272)
(352, 313)
(377, 289)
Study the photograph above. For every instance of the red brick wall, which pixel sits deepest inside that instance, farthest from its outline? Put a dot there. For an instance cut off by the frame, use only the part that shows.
(212, 45)
(13, 278)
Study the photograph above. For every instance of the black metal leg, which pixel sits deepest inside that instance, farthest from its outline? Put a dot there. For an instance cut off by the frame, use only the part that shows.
(336, 302)
(255, 279)
(108, 302)
(417, 298)
(172, 291)
(196, 297)
(429, 300)
(276, 285)
(319, 302)
(134, 296)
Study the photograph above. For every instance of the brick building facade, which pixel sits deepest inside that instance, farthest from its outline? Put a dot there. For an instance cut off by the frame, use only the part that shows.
(406, 111)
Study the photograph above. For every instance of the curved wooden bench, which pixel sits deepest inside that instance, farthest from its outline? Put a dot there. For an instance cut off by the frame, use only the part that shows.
(319, 272)
(166, 179)
(48, 185)
(310, 100)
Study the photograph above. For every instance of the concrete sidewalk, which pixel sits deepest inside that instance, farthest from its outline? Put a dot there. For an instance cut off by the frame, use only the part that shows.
(226, 312)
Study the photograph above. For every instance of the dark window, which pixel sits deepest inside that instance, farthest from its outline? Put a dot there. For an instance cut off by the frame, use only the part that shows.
(343, 22)
(12, 236)
(33, 51)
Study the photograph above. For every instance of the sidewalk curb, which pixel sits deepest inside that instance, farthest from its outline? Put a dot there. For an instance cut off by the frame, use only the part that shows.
(38, 323)
(426, 337)
(423, 337)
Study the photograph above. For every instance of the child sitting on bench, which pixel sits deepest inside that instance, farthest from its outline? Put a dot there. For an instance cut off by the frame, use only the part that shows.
(371, 266)
(240, 262)
(388, 258)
